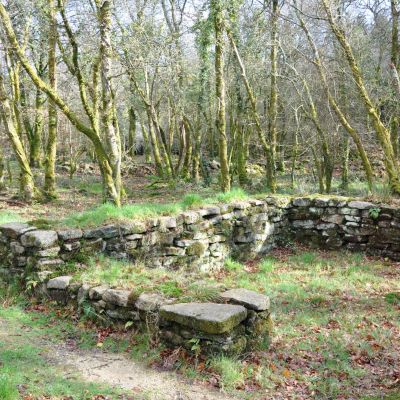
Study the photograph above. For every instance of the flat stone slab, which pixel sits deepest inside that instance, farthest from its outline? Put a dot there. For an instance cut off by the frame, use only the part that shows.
(206, 317)
(60, 283)
(15, 229)
(247, 298)
(42, 239)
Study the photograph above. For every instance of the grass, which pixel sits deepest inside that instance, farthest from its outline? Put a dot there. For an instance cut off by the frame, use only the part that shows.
(107, 212)
(7, 216)
(336, 332)
(122, 274)
(25, 371)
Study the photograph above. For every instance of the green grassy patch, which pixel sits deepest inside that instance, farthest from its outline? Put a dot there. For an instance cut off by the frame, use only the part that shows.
(108, 212)
(8, 216)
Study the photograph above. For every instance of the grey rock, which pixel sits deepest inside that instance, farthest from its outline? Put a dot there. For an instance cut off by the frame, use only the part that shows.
(40, 238)
(302, 202)
(334, 219)
(190, 217)
(206, 317)
(361, 205)
(70, 234)
(307, 224)
(136, 227)
(48, 263)
(13, 230)
(60, 283)
(104, 232)
(247, 298)
(167, 222)
(116, 297)
(96, 293)
(208, 211)
(149, 302)
(83, 294)
(134, 236)
(16, 248)
(48, 253)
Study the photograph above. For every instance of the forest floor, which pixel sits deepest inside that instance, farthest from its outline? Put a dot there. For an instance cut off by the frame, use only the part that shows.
(336, 336)
(84, 192)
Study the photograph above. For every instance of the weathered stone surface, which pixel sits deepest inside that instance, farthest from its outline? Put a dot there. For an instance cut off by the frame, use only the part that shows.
(70, 234)
(136, 227)
(104, 232)
(360, 205)
(13, 230)
(116, 297)
(149, 302)
(16, 248)
(302, 202)
(307, 224)
(206, 317)
(247, 298)
(40, 238)
(96, 293)
(60, 283)
(50, 252)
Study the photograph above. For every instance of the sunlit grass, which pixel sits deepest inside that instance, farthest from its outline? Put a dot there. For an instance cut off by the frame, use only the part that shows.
(8, 216)
(108, 212)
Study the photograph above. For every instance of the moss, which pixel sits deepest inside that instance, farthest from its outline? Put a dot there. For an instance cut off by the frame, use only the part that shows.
(197, 249)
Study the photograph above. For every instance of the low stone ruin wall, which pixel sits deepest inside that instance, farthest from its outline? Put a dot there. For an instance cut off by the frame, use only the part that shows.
(353, 225)
(239, 322)
(199, 240)
(203, 239)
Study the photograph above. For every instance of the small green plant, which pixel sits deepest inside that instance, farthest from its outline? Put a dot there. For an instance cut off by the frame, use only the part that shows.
(374, 212)
(8, 389)
(195, 347)
(232, 265)
(267, 265)
(393, 298)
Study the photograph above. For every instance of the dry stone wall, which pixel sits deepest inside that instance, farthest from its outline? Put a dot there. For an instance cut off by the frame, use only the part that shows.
(196, 240)
(203, 239)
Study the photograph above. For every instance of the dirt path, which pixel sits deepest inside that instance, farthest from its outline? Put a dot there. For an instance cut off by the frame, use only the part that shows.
(115, 370)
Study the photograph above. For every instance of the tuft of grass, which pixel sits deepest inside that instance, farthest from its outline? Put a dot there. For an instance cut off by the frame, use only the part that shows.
(8, 216)
(8, 388)
(393, 298)
(232, 265)
(230, 372)
(267, 265)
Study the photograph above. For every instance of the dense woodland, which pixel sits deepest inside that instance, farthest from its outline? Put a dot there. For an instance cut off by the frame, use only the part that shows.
(290, 86)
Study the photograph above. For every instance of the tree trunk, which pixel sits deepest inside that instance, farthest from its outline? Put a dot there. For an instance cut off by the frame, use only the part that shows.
(107, 111)
(51, 148)
(220, 93)
(27, 184)
(132, 133)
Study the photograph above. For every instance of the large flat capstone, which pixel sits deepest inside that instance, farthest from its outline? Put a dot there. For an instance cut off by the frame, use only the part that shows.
(206, 317)
(248, 298)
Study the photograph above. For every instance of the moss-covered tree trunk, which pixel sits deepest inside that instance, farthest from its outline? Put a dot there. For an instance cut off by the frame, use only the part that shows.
(51, 147)
(218, 13)
(382, 133)
(132, 133)
(27, 184)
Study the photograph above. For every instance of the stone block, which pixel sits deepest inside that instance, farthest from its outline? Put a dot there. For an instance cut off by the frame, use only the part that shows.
(247, 298)
(59, 283)
(116, 297)
(70, 234)
(39, 238)
(14, 230)
(206, 317)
